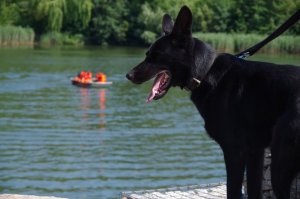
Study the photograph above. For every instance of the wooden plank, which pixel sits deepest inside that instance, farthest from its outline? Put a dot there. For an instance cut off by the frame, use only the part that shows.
(16, 196)
(211, 191)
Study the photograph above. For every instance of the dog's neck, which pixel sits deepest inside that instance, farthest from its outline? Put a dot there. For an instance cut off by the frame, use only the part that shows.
(204, 57)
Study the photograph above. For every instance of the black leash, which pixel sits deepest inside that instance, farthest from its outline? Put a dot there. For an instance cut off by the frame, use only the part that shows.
(286, 25)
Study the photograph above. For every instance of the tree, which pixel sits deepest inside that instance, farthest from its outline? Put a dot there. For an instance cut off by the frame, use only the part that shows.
(9, 13)
(50, 11)
(151, 13)
(54, 15)
(108, 23)
(281, 10)
(261, 16)
(138, 22)
(78, 15)
(220, 15)
(150, 18)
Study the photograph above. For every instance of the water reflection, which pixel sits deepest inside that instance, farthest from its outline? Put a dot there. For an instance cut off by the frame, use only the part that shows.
(102, 100)
(85, 103)
(85, 100)
(87, 108)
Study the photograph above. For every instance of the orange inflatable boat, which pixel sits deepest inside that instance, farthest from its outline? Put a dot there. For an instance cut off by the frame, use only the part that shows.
(86, 79)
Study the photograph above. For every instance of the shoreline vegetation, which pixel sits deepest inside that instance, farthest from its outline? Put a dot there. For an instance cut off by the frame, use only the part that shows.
(16, 36)
(13, 36)
(228, 25)
(237, 42)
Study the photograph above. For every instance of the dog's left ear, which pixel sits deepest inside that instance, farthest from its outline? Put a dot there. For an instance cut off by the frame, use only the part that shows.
(183, 24)
(167, 24)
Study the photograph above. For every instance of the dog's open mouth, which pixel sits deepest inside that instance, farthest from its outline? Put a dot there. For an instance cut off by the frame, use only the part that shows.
(160, 86)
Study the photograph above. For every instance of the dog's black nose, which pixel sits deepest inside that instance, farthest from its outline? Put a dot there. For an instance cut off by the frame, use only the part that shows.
(130, 76)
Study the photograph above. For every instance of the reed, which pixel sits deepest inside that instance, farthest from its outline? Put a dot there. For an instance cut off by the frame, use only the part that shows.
(56, 38)
(16, 36)
(235, 43)
(219, 41)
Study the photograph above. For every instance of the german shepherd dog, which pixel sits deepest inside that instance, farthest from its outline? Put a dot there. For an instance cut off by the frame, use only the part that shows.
(246, 105)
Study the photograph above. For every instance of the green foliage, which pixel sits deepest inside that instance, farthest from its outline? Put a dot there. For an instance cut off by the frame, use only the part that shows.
(239, 42)
(261, 16)
(148, 36)
(15, 36)
(219, 17)
(107, 23)
(220, 41)
(150, 20)
(52, 11)
(56, 38)
(9, 13)
(79, 10)
(78, 15)
(138, 22)
(240, 16)
(56, 15)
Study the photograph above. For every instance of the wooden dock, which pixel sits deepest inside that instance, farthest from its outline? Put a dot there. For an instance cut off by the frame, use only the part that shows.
(211, 191)
(16, 196)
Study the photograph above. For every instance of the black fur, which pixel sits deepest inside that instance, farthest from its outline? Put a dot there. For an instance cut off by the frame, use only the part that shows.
(246, 105)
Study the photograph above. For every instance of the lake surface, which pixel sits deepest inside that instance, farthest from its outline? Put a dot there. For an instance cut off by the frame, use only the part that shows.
(60, 140)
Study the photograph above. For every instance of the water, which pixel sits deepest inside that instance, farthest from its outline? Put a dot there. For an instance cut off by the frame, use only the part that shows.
(65, 141)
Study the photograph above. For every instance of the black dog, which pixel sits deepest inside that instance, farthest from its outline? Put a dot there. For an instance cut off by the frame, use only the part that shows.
(246, 105)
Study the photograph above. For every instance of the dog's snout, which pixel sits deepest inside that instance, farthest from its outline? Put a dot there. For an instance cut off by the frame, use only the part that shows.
(130, 75)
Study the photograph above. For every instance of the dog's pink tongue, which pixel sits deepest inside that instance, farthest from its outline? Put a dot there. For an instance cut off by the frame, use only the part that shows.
(154, 88)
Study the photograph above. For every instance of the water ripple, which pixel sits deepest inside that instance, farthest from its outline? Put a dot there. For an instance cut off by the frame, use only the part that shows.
(60, 140)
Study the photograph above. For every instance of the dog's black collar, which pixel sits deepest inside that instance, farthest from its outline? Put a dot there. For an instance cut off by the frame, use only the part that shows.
(195, 81)
(192, 85)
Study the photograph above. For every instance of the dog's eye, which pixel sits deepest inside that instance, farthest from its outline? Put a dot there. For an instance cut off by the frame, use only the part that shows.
(155, 54)
(174, 43)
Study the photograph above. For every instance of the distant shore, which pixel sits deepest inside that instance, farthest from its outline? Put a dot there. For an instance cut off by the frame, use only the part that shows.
(14, 36)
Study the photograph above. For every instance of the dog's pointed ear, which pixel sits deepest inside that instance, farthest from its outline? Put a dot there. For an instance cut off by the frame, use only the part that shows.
(167, 24)
(183, 23)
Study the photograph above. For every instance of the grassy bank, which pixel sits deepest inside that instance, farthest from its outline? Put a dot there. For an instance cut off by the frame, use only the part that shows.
(239, 42)
(223, 42)
(16, 36)
(56, 38)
